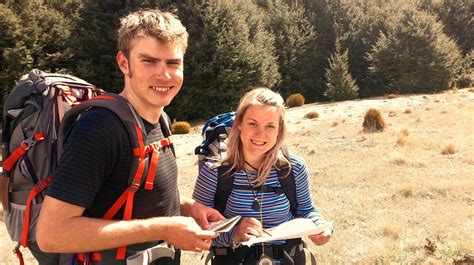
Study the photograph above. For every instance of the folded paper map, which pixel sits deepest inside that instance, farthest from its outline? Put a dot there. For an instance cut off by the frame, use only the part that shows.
(296, 228)
(224, 225)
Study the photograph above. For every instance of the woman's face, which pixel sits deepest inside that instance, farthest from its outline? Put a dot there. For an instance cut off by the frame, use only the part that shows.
(259, 131)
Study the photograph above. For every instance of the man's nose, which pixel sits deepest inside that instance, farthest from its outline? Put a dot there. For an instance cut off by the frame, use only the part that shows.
(162, 71)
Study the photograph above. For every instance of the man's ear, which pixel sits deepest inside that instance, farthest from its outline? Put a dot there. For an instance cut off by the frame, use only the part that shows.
(122, 63)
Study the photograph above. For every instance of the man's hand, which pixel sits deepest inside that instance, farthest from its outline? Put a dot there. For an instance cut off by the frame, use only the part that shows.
(201, 213)
(185, 234)
(321, 238)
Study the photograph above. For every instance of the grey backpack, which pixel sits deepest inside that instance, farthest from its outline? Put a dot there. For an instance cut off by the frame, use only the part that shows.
(31, 120)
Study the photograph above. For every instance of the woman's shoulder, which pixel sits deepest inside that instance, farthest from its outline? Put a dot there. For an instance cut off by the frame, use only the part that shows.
(296, 160)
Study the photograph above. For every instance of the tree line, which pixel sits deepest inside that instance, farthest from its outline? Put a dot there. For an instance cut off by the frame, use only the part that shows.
(323, 49)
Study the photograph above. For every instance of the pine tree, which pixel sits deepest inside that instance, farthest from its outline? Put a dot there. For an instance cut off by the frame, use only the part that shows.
(294, 37)
(415, 55)
(340, 84)
(230, 51)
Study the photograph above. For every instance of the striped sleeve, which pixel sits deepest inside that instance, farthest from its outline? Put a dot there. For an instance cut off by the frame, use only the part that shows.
(305, 204)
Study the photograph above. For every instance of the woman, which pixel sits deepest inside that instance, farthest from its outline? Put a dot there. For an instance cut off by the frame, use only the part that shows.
(256, 158)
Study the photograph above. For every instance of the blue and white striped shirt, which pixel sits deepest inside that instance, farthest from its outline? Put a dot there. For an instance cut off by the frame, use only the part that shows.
(275, 207)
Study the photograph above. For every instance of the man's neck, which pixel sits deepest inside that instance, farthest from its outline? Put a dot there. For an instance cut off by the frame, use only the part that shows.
(148, 114)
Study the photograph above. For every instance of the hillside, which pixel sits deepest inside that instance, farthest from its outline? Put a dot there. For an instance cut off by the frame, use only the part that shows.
(393, 196)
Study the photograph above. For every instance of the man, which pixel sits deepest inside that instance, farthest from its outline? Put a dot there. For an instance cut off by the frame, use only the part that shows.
(95, 166)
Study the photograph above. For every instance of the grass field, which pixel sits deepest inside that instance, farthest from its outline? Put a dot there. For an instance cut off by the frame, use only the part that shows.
(404, 195)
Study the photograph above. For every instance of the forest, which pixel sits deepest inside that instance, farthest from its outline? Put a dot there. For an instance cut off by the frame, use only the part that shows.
(326, 50)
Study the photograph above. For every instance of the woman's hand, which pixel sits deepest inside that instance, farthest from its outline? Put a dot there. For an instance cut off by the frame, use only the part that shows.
(246, 229)
(321, 238)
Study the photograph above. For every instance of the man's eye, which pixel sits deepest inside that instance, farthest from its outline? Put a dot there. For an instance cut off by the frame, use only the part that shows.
(148, 61)
(174, 64)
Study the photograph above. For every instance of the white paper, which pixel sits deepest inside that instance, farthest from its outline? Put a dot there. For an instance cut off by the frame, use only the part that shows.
(295, 228)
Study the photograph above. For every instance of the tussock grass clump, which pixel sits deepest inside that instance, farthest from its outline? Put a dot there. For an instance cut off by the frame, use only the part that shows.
(404, 132)
(402, 137)
(397, 159)
(373, 121)
(391, 96)
(391, 230)
(449, 149)
(311, 115)
(295, 100)
(407, 190)
(180, 127)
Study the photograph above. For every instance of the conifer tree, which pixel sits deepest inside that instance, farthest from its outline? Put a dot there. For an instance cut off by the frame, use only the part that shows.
(340, 84)
(294, 37)
(415, 55)
(230, 51)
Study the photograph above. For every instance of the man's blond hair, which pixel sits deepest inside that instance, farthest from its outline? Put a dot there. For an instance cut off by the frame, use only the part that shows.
(164, 26)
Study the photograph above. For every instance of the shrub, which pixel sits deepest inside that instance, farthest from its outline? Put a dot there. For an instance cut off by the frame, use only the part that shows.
(373, 121)
(295, 100)
(449, 149)
(311, 115)
(180, 127)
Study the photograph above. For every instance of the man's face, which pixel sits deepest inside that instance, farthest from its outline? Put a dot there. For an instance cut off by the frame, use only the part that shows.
(153, 73)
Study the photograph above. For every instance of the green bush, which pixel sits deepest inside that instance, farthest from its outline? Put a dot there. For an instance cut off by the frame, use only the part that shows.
(180, 127)
(373, 121)
(295, 100)
(311, 115)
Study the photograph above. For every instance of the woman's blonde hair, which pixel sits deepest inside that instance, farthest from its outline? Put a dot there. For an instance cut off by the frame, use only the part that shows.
(164, 26)
(274, 157)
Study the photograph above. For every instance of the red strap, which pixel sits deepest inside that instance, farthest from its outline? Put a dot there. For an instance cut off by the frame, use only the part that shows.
(26, 144)
(18, 254)
(160, 145)
(68, 95)
(26, 219)
(150, 178)
(87, 258)
(102, 97)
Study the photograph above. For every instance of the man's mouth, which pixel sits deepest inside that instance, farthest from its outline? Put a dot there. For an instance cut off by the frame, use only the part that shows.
(161, 88)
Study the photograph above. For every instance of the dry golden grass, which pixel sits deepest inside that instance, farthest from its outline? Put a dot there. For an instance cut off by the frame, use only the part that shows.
(383, 213)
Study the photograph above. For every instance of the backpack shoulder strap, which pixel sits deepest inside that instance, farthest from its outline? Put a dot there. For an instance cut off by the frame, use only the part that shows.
(118, 105)
(225, 181)
(287, 182)
(165, 124)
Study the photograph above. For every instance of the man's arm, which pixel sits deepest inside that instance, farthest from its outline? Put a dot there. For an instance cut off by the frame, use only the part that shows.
(201, 213)
(62, 228)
